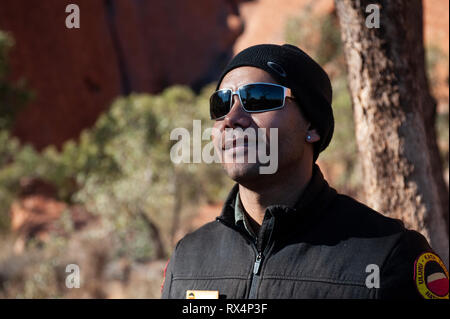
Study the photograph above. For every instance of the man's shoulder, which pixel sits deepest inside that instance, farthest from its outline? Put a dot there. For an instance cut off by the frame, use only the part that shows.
(204, 237)
(353, 225)
(349, 213)
(360, 223)
(206, 230)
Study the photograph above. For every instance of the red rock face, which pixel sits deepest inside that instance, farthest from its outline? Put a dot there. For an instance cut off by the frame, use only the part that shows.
(122, 46)
(128, 46)
(72, 72)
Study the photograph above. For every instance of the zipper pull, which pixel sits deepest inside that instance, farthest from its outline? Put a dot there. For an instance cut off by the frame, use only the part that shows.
(257, 264)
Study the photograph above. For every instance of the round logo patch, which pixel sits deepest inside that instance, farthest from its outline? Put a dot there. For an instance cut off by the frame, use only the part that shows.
(431, 276)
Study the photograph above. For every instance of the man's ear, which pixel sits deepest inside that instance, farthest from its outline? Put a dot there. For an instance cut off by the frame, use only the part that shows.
(312, 135)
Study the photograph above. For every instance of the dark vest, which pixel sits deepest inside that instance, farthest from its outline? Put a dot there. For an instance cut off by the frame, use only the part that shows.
(327, 246)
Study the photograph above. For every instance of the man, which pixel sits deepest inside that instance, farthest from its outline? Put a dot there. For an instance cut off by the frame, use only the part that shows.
(289, 234)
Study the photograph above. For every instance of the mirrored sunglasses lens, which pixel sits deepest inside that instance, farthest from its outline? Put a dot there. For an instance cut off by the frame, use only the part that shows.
(261, 97)
(219, 104)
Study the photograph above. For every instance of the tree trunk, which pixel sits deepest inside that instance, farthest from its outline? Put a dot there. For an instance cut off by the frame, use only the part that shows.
(155, 236)
(178, 198)
(394, 116)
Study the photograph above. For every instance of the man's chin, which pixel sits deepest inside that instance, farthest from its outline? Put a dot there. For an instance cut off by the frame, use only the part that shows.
(241, 172)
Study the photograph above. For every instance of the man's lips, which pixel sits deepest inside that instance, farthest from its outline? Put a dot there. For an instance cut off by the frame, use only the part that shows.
(231, 144)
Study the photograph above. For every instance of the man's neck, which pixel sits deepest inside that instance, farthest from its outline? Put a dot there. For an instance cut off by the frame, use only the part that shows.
(277, 189)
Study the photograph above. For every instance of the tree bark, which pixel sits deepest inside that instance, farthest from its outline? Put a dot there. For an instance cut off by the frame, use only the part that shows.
(394, 116)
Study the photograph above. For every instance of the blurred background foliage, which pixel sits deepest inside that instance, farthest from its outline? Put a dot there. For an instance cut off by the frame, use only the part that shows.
(120, 168)
(119, 171)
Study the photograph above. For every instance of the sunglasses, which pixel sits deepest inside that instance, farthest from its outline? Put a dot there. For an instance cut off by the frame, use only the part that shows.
(254, 97)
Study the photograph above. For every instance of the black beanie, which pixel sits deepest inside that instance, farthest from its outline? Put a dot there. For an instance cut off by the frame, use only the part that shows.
(309, 83)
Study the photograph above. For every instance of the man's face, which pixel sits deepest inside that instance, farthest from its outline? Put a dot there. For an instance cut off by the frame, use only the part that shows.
(292, 129)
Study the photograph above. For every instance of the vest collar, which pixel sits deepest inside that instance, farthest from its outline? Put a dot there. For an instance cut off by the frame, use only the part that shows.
(316, 195)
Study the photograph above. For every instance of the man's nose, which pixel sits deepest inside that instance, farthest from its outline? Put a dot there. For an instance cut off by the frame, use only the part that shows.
(237, 117)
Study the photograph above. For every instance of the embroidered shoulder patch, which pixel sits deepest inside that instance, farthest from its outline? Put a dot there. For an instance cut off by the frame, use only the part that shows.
(431, 276)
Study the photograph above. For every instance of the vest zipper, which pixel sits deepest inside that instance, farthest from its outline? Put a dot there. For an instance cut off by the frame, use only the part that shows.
(257, 264)
(255, 276)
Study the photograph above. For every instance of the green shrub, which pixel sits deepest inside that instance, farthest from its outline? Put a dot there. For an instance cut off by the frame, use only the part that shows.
(121, 168)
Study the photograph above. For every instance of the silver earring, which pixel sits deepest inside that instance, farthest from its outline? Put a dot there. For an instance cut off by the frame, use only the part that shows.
(308, 137)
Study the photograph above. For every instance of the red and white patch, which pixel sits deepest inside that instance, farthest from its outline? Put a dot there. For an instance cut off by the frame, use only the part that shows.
(438, 283)
(431, 276)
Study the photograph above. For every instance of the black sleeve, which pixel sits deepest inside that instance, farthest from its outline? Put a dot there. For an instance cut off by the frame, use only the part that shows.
(167, 281)
(397, 273)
